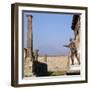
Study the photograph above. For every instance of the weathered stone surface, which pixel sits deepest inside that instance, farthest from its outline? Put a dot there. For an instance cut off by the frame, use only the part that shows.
(28, 64)
(29, 37)
(28, 67)
(55, 63)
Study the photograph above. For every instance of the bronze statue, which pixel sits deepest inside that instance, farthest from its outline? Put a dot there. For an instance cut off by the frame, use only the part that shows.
(73, 50)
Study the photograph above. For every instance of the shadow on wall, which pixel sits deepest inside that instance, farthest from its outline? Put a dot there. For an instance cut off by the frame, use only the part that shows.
(39, 68)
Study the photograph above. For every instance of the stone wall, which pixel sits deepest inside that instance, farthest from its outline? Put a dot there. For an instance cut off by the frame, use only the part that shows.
(55, 63)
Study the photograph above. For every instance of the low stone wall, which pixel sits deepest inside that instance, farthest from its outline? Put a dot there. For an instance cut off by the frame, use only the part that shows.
(55, 63)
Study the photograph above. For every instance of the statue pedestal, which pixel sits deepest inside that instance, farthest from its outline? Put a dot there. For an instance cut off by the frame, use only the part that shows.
(74, 67)
(74, 70)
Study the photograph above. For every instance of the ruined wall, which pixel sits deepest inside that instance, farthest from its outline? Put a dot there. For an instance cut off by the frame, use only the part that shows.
(55, 63)
(28, 67)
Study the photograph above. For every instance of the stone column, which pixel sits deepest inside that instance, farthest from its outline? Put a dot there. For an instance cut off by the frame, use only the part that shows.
(29, 37)
(28, 64)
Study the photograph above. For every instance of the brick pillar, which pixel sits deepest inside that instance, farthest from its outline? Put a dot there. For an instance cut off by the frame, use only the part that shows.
(29, 37)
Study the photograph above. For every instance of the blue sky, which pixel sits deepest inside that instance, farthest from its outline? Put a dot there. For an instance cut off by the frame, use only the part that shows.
(50, 32)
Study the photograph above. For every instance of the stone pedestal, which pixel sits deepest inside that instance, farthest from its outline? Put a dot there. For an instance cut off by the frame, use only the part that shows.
(28, 67)
(74, 69)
